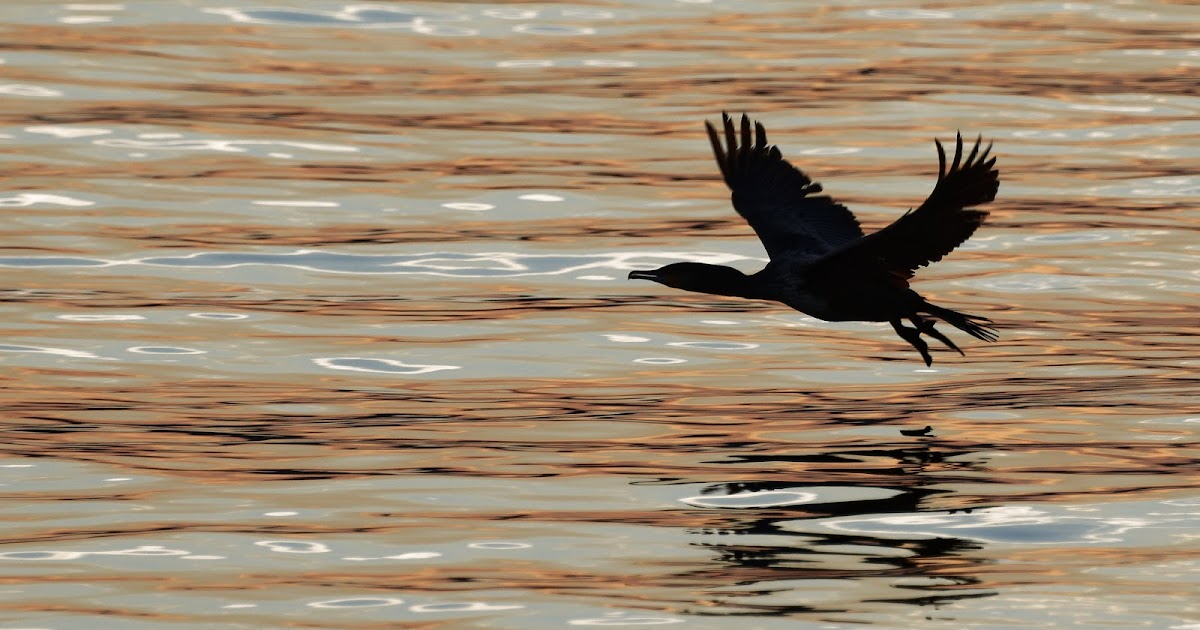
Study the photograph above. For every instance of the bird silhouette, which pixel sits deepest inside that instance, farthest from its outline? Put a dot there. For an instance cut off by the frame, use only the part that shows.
(820, 261)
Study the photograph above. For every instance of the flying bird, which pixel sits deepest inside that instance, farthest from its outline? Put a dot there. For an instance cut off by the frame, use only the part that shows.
(821, 264)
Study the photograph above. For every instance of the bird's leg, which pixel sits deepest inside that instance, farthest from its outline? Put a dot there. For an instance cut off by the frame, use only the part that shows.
(926, 326)
(913, 336)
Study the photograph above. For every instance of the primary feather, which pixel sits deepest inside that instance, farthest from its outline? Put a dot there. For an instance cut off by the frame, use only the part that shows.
(782, 204)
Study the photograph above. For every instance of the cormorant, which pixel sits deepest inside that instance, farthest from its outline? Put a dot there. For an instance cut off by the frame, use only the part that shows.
(820, 261)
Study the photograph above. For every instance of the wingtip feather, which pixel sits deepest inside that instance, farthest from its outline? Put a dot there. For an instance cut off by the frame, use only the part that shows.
(958, 147)
(974, 152)
(731, 152)
(941, 159)
(718, 151)
(983, 156)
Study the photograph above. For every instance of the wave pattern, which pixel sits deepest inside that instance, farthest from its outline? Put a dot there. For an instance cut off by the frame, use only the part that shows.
(332, 301)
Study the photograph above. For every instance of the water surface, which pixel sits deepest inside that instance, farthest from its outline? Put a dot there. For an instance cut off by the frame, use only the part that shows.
(317, 317)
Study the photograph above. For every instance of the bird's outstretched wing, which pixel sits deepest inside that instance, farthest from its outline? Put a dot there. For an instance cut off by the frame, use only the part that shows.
(934, 229)
(780, 202)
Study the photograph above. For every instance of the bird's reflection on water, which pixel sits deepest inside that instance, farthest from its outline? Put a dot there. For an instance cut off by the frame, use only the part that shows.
(695, 471)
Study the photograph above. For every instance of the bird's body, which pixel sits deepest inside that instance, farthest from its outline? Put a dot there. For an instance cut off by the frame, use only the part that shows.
(821, 263)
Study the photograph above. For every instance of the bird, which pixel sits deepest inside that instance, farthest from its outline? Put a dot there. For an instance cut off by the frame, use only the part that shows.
(820, 261)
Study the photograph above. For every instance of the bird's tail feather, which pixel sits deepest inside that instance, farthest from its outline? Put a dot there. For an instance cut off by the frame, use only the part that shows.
(974, 325)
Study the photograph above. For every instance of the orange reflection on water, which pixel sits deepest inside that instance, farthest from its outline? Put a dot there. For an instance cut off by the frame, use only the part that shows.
(535, 423)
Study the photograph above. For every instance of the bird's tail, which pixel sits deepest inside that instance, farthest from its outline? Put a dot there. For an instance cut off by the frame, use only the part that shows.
(974, 325)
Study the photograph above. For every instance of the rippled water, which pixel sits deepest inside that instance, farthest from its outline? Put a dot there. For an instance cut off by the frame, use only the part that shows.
(316, 317)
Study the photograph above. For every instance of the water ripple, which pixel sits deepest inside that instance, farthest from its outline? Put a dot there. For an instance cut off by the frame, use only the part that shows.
(380, 366)
(482, 265)
(64, 352)
(1024, 525)
(333, 296)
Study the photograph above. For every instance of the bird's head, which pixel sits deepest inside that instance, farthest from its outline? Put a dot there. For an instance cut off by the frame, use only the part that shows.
(694, 276)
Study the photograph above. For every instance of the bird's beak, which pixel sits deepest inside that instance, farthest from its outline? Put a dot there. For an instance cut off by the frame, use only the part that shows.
(643, 275)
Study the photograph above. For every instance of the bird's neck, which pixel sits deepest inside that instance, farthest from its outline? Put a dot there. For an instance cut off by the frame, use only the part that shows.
(724, 280)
